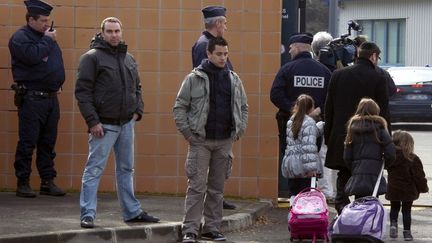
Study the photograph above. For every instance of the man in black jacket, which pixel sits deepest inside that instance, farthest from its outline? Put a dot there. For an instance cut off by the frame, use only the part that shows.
(347, 87)
(38, 70)
(108, 91)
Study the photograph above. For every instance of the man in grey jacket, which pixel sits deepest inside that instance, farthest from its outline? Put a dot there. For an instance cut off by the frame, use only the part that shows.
(211, 112)
(108, 90)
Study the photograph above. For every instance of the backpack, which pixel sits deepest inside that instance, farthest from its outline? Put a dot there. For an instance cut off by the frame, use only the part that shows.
(308, 217)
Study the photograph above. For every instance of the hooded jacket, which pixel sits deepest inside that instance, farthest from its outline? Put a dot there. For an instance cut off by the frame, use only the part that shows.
(365, 155)
(406, 179)
(108, 88)
(301, 154)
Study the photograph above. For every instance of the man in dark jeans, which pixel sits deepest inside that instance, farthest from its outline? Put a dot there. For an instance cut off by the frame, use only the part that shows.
(38, 70)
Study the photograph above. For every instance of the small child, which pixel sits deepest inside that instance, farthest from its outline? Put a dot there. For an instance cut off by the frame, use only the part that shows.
(406, 180)
(301, 160)
(367, 145)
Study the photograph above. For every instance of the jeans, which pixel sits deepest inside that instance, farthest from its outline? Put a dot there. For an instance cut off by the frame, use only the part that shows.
(122, 139)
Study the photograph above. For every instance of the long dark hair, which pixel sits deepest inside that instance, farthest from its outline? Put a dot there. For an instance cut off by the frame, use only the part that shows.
(302, 107)
(367, 109)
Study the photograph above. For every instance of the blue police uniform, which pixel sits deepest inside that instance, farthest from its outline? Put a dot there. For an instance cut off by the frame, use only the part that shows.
(37, 65)
(199, 49)
(302, 75)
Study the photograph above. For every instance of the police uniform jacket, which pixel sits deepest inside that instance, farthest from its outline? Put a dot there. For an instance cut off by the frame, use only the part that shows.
(303, 75)
(347, 87)
(108, 88)
(36, 60)
(199, 50)
(366, 155)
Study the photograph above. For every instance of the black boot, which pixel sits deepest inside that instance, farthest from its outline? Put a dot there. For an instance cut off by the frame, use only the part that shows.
(49, 188)
(24, 189)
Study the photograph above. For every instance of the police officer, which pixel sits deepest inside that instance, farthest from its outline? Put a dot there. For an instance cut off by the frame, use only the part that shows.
(302, 75)
(215, 23)
(37, 68)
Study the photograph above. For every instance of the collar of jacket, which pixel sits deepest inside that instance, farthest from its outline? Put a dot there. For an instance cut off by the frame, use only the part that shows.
(99, 43)
(365, 61)
(34, 31)
(304, 54)
(208, 35)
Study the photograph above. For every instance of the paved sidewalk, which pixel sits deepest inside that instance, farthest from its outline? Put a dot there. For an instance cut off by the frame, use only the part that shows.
(56, 219)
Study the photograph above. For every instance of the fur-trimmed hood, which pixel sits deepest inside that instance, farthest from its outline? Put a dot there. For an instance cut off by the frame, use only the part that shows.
(363, 124)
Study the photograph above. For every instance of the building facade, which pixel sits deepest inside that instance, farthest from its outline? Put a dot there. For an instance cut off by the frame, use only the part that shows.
(160, 34)
(399, 27)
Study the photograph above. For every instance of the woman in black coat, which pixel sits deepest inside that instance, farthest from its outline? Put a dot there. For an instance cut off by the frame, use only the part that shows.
(406, 180)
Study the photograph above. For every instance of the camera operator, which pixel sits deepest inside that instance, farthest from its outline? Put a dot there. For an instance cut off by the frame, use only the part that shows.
(320, 43)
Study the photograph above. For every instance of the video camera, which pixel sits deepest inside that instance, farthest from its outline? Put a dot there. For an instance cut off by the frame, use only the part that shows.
(340, 51)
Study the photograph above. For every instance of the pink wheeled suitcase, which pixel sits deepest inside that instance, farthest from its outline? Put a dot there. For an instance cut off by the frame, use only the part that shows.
(308, 217)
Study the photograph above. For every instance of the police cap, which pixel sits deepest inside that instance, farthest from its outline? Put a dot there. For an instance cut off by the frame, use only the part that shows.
(301, 38)
(213, 11)
(38, 7)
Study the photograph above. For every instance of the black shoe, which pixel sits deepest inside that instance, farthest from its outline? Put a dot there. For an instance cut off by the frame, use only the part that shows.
(87, 222)
(24, 189)
(49, 188)
(227, 205)
(189, 237)
(143, 217)
(407, 235)
(214, 236)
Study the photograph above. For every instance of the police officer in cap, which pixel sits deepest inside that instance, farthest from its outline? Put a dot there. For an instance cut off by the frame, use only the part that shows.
(38, 71)
(302, 75)
(215, 23)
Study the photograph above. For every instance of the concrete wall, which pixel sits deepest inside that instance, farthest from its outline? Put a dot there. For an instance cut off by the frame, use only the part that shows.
(160, 34)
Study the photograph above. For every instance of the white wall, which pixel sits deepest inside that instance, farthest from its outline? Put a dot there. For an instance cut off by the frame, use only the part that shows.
(418, 15)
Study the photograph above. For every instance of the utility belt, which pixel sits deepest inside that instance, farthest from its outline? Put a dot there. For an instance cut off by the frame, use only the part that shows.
(21, 91)
(41, 93)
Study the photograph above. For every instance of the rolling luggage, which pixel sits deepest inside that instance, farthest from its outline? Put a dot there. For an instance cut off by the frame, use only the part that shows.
(308, 217)
(363, 220)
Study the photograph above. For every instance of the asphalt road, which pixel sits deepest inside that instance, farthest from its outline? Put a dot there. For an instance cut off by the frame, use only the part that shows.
(272, 227)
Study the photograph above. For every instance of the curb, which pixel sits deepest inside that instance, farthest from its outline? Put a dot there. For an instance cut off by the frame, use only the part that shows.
(161, 232)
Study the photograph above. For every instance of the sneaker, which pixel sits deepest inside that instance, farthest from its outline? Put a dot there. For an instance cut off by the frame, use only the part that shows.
(227, 205)
(189, 237)
(87, 222)
(393, 231)
(407, 235)
(214, 236)
(49, 188)
(143, 218)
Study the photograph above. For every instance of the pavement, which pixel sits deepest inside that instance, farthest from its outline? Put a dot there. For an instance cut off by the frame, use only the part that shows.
(47, 219)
